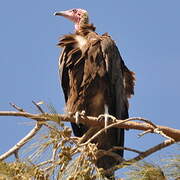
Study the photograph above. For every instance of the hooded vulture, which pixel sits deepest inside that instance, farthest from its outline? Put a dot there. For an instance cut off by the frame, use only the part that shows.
(94, 79)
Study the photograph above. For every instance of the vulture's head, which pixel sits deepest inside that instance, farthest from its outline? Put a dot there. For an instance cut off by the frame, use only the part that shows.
(78, 16)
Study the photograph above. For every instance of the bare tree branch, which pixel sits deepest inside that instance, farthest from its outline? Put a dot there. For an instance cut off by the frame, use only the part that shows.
(93, 121)
(142, 155)
(124, 148)
(22, 142)
(17, 107)
(16, 154)
(38, 107)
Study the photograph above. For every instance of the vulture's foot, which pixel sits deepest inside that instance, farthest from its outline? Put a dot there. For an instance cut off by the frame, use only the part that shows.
(78, 115)
(106, 118)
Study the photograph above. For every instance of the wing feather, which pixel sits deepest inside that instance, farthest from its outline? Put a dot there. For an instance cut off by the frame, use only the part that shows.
(121, 85)
(63, 73)
(121, 78)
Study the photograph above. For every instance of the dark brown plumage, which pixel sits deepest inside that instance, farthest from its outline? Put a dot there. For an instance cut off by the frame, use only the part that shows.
(93, 77)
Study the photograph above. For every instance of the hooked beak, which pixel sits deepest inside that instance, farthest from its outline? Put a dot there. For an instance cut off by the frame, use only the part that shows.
(62, 13)
(67, 14)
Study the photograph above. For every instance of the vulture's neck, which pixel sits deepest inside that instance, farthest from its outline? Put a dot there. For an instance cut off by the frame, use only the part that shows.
(85, 29)
(82, 34)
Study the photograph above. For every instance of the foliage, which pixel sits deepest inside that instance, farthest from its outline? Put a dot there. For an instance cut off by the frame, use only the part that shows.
(169, 169)
(172, 166)
(21, 171)
(145, 171)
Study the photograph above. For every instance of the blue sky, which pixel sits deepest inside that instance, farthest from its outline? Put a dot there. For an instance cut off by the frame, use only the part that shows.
(147, 34)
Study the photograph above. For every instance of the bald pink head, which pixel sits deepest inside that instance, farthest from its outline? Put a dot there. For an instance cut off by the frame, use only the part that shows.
(78, 16)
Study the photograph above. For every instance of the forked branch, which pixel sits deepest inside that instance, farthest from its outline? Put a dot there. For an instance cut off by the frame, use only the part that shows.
(22, 142)
(94, 121)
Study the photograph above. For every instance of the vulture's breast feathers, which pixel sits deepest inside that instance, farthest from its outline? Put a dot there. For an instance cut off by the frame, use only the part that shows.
(77, 47)
(80, 41)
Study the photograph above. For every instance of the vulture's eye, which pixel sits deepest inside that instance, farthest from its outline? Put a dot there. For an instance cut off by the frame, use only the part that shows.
(74, 11)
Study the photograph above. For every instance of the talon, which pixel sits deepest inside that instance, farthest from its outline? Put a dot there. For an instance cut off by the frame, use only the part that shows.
(83, 112)
(77, 117)
(100, 117)
(70, 114)
(105, 118)
(105, 121)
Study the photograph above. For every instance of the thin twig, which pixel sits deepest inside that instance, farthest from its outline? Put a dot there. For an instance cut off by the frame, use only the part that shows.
(143, 155)
(54, 153)
(115, 124)
(38, 107)
(51, 127)
(44, 163)
(115, 148)
(145, 132)
(16, 154)
(102, 153)
(17, 107)
(158, 131)
(22, 142)
(153, 149)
